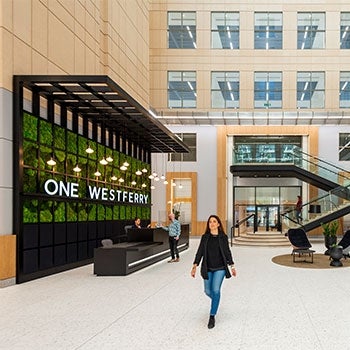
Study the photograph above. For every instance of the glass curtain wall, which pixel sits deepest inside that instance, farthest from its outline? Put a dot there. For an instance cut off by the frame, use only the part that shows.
(263, 206)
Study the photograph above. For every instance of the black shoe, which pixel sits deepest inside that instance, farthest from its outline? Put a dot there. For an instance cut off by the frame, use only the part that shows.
(211, 323)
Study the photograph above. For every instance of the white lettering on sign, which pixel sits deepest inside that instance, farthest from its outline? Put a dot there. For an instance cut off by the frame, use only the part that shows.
(71, 189)
(54, 188)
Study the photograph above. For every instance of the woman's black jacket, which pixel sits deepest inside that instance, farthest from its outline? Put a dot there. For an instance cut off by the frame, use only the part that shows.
(202, 253)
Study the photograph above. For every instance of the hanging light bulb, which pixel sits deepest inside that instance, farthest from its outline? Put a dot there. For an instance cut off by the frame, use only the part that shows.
(153, 187)
(121, 180)
(77, 169)
(51, 162)
(103, 161)
(151, 177)
(97, 173)
(165, 182)
(126, 164)
(180, 186)
(154, 174)
(144, 170)
(156, 178)
(109, 159)
(173, 184)
(114, 178)
(143, 185)
(162, 177)
(123, 167)
(133, 183)
(138, 172)
(89, 150)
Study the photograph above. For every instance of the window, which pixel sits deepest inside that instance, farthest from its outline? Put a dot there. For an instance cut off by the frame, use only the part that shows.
(311, 30)
(268, 90)
(182, 30)
(182, 90)
(225, 30)
(345, 30)
(344, 90)
(190, 140)
(225, 89)
(268, 30)
(344, 146)
(310, 90)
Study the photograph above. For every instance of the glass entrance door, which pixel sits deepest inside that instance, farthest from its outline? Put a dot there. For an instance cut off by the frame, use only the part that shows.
(268, 218)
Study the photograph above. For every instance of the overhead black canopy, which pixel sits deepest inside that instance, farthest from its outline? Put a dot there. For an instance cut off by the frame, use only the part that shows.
(102, 101)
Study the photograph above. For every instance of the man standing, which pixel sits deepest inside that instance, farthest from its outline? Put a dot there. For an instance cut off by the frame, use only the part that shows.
(174, 230)
(298, 209)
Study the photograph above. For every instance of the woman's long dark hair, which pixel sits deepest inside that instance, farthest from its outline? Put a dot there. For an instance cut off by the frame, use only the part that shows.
(220, 228)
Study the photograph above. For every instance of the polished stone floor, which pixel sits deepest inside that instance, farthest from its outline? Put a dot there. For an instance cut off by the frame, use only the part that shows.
(267, 306)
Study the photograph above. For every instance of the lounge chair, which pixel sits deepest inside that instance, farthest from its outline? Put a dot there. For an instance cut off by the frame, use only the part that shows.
(301, 245)
(345, 244)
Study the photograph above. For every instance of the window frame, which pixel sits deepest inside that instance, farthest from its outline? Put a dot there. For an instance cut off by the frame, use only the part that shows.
(309, 90)
(232, 89)
(267, 32)
(267, 91)
(344, 30)
(186, 87)
(232, 31)
(179, 36)
(308, 34)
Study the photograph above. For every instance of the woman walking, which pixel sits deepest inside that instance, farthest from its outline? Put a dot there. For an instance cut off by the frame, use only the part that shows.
(215, 253)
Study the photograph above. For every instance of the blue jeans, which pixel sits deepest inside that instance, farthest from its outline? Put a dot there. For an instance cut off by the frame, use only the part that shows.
(212, 288)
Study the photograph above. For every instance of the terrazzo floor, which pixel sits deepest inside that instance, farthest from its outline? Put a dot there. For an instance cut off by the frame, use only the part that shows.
(267, 306)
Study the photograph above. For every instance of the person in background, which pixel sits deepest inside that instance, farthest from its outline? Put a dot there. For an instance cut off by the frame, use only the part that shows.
(216, 257)
(137, 223)
(174, 230)
(298, 209)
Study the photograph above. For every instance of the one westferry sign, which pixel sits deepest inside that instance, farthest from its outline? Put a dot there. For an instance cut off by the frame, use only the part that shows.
(71, 190)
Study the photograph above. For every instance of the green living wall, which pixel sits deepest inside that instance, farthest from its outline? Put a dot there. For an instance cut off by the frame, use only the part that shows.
(43, 140)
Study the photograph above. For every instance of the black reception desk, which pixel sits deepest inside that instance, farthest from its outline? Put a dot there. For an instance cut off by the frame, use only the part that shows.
(144, 247)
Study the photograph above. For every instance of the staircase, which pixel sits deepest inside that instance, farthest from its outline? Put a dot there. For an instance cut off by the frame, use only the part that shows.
(262, 239)
(313, 170)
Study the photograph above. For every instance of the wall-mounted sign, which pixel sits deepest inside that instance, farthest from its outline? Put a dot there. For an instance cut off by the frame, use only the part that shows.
(71, 190)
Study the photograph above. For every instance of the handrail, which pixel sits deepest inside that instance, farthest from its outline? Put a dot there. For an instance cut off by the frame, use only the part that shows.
(322, 160)
(300, 158)
(237, 224)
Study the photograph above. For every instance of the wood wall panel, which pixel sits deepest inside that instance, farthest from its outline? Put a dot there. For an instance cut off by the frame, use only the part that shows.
(185, 175)
(7, 256)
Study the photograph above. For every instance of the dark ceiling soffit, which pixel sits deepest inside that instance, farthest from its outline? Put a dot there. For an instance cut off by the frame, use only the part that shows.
(101, 100)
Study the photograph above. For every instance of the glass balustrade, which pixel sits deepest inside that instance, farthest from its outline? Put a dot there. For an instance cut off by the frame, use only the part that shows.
(291, 155)
(317, 208)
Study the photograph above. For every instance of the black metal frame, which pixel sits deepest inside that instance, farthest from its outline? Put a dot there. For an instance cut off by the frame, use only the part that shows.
(97, 100)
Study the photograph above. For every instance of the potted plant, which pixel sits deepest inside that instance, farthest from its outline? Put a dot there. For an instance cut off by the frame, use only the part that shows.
(176, 210)
(330, 234)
